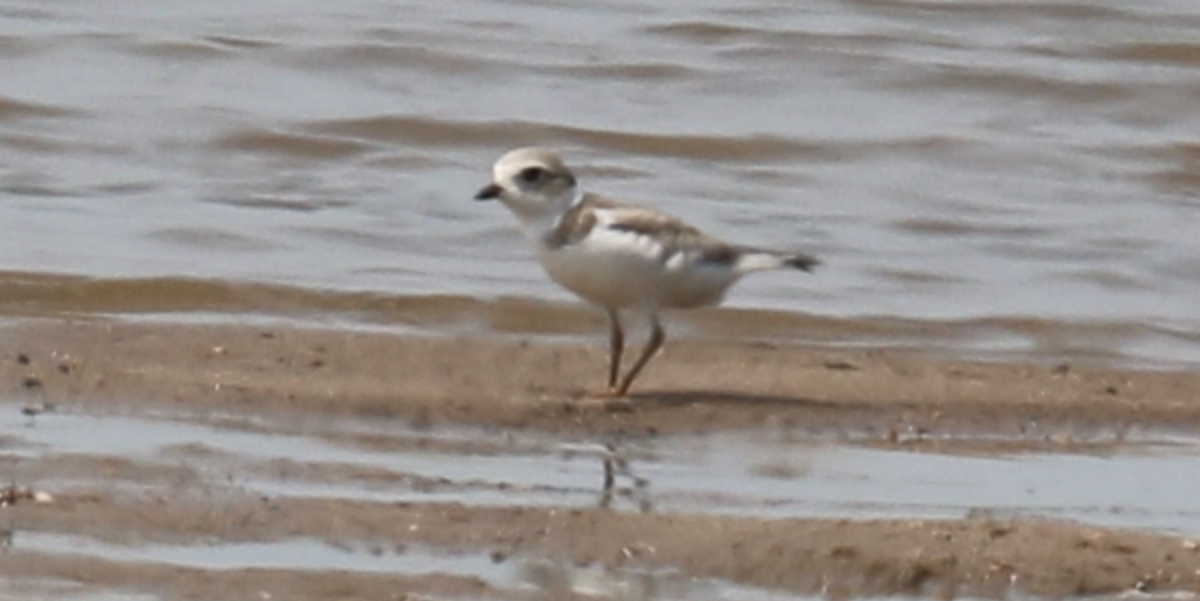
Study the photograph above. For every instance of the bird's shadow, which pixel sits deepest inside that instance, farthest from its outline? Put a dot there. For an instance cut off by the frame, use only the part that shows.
(676, 398)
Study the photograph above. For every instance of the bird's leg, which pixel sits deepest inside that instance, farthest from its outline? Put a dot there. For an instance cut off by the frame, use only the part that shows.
(611, 395)
(616, 347)
(657, 336)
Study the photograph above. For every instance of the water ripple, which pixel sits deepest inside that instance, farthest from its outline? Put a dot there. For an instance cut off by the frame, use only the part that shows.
(291, 145)
(948, 159)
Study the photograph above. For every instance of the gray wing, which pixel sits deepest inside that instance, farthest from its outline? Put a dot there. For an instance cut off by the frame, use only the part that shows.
(675, 235)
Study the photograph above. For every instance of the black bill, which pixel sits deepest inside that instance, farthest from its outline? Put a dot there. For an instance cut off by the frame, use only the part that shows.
(488, 192)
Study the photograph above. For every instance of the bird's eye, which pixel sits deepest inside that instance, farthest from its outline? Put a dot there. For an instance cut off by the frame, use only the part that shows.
(531, 174)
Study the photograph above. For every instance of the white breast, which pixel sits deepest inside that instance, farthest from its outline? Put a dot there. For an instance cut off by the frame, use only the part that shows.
(617, 269)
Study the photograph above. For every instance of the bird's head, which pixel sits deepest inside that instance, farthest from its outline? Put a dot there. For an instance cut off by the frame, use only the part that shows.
(531, 182)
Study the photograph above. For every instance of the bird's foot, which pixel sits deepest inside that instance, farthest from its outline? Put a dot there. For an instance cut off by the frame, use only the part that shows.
(610, 399)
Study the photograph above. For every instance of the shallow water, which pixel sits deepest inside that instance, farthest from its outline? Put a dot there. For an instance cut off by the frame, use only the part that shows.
(1144, 483)
(296, 554)
(1139, 480)
(948, 160)
(618, 584)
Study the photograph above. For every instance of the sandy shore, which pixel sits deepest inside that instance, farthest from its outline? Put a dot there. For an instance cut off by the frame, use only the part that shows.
(528, 382)
(279, 375)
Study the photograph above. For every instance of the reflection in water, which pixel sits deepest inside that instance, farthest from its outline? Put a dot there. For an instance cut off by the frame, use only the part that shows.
(739, 474)
(380, 465)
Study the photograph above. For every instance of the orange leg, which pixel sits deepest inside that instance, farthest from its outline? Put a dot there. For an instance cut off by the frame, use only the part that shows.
(616, 347)
(657, 336)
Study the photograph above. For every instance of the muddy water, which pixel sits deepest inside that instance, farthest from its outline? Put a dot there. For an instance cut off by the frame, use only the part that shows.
(1143, 481)
(949, 161)
(309, 555)
(740, 474)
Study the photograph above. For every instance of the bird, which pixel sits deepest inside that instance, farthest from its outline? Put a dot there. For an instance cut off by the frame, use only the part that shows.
(618, 256)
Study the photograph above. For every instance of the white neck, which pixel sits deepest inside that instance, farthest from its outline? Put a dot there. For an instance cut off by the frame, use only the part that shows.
(576, 198)
(536, 225)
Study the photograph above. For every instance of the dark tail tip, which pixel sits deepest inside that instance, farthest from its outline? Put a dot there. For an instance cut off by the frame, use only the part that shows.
(802, 262)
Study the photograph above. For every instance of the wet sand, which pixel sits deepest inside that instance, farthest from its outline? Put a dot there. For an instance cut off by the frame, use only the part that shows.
(983, 179)
(274, 380)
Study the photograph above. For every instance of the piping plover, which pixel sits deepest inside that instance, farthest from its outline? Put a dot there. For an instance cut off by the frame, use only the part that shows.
(619, 256)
